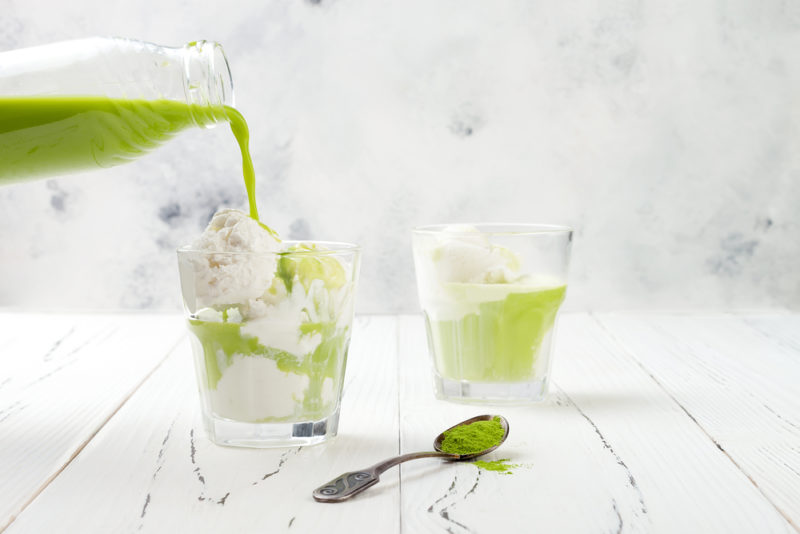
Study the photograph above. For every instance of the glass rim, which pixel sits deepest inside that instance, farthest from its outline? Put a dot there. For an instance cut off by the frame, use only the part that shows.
(487, 229)
(333, 248)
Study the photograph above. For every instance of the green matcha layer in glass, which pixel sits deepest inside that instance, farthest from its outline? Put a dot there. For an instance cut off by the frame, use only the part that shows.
(246, 379)
(499, 340)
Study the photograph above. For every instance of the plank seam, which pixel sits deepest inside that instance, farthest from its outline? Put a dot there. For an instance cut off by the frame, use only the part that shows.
(633, 357)
(397, 321)
(617, 458)
(83, 445)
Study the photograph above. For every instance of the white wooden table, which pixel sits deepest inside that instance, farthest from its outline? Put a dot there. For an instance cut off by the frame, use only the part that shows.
(656, 423)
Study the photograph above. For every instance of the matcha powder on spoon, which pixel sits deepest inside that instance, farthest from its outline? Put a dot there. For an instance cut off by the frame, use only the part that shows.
(474, 437)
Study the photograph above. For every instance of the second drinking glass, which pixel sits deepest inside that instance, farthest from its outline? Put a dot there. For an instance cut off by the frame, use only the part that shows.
(490, 294)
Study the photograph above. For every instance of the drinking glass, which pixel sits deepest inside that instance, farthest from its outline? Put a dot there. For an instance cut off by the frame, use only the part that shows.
(490, 295)
(270, 364)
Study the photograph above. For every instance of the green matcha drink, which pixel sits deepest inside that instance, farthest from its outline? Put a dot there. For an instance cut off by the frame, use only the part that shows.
(300, 386)
(501, 340)
(46, 135)
(270, 325)
(490, 295)
(278, 356)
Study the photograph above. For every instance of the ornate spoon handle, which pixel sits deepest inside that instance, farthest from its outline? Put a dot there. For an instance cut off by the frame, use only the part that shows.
(345, 486)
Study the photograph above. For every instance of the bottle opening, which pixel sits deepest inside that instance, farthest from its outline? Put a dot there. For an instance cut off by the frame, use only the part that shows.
(223, 78)
(208, 81)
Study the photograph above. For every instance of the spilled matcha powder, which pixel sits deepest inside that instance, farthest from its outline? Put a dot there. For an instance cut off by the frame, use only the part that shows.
(501, 466)
(474, 437)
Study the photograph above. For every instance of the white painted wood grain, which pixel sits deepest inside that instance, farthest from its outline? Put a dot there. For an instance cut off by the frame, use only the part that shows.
(609, 452)
(624, 443)
(151, 468)
(738, 377)
(63, 377)
(782, 329)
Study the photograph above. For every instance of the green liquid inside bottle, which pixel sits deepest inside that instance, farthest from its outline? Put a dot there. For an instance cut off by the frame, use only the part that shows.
(42, 136)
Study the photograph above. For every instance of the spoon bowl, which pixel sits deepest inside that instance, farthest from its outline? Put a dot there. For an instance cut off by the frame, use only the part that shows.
(437, 443)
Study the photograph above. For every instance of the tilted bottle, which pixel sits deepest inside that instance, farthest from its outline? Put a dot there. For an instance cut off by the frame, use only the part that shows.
(101, 102)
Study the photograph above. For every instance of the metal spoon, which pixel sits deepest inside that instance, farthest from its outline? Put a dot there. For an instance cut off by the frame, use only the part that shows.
(345, 486)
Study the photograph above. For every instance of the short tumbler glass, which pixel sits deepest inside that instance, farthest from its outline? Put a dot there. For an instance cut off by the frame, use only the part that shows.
(270, 334)
(490, 294)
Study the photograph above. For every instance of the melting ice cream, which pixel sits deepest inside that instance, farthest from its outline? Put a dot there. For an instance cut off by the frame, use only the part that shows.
(272, 321)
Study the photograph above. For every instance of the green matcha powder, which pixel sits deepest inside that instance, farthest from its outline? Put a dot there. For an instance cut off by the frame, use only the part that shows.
(476, 437)
(500, 466)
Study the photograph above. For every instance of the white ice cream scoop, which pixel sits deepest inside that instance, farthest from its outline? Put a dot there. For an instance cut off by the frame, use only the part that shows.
(464, 255)
(238, 259)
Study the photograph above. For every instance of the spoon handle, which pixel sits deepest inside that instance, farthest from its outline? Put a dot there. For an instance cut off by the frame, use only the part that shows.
(345, 486)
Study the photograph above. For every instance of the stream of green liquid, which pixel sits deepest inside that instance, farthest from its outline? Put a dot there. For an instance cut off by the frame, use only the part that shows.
(49, 135)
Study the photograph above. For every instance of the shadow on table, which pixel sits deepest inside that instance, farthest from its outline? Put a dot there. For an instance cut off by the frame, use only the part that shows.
(364, 448)
(612, 400)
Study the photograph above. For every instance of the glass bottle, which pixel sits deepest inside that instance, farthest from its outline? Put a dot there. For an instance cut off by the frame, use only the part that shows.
(101, 102)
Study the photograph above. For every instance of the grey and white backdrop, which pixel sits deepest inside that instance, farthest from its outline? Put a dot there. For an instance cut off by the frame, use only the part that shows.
(666, 133)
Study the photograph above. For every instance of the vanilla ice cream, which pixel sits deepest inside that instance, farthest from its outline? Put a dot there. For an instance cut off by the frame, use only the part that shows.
(463, 254)
(239, 262)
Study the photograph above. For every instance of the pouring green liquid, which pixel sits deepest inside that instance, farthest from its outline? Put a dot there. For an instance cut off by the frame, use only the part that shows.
(41, 136)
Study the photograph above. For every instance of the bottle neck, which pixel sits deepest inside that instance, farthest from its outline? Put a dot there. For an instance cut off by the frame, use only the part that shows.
(208, 84)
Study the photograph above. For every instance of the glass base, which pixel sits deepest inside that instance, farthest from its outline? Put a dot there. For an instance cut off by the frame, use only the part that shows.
(267, 435)
(490, 392)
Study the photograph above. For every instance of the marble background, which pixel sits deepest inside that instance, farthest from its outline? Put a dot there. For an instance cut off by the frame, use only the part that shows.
(665, 133)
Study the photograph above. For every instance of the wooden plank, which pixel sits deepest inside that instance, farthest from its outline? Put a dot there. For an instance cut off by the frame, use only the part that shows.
(151, 468)
(609, 451)
(782, 329)
(738, 378)
(64, 376)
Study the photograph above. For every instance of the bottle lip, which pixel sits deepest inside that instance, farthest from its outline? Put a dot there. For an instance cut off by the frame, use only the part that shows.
(208, 78)
(224, 79)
